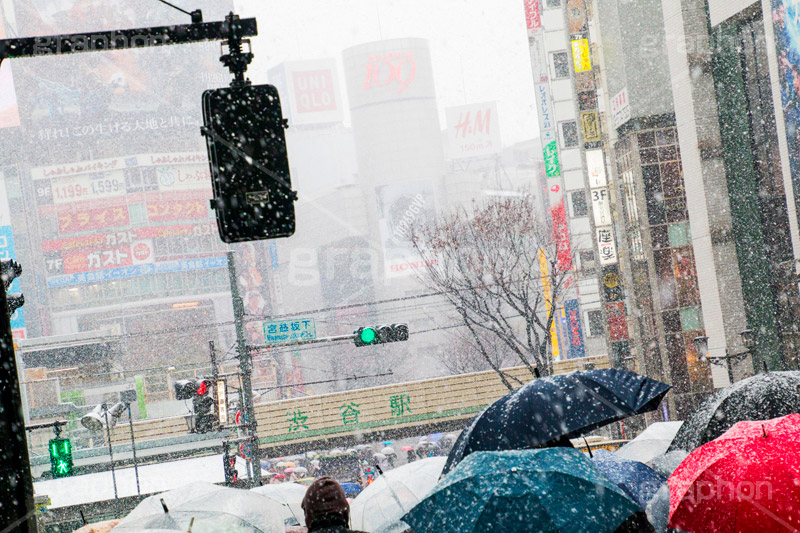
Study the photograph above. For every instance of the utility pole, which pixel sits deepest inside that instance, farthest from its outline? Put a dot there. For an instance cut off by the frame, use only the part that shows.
(16, 489)
(245, 367)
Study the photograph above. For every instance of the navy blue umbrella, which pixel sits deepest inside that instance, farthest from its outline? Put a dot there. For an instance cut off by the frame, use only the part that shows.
(636, 479)
(549, 410)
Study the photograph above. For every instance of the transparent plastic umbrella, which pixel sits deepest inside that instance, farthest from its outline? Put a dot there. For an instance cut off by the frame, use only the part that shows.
(290, 496)
(213, 508)
(393, 494)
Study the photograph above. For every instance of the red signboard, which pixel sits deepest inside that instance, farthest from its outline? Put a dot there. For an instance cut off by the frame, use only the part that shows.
(86, 261)
(617, 323)
(314, 91)
(396, 69)
(533, 14)
(72, 220)
(177, 210)
(561, 235)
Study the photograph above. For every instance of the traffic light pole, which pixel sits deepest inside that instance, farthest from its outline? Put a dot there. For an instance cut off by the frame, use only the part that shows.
(245, 367)
(16, 489)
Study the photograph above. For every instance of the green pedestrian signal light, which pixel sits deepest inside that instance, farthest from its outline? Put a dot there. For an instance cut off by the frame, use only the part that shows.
(60, 457)
(370, 335)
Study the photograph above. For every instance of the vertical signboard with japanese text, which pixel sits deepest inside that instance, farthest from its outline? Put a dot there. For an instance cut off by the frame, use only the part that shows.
(572, 311)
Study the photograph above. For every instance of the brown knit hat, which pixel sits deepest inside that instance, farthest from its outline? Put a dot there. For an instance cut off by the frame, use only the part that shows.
(325, 497)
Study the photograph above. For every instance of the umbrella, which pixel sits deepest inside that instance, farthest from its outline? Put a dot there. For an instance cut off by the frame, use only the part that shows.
(213, 508)
(351, 489)
(98, 527)
(760, 397)
(290, 496)
(290, 464)
(552, 408)
(300, 470)
(658, 509)
(557, 489)
(388, 451)
(667, 463)
(650, 443)
(745, 480)
(638, 480)
(393, 494)
(387, 443)
(407, 448)
(288, 470)
(281, 464)
(378, 456)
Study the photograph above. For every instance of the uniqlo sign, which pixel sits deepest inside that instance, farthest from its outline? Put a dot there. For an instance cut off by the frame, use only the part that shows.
(314, 91)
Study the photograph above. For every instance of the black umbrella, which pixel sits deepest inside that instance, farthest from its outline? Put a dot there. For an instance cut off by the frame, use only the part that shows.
(549, 410)
(760, 397)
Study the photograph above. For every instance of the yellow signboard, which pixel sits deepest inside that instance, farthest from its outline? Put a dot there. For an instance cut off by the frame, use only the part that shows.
(548, 302)
(580, 55)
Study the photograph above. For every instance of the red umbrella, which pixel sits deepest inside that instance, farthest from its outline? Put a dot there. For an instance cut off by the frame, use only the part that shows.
(407, 448)
(745, 480)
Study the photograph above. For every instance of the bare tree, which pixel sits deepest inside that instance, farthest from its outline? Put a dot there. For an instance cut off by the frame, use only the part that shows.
(501, 270)
(462, 354)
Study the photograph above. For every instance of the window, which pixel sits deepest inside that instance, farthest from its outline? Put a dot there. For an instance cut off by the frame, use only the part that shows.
(595, 320)
(579, 208)
(587, 264)
(553, 3)
(138, 213)
(569, 134)
(560, 65)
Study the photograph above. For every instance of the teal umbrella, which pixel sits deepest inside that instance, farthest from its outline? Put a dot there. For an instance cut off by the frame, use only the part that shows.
(547, 489)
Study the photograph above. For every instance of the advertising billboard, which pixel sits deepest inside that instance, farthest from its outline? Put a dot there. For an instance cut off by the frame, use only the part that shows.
(7, 252)
(786, 23)
(400, 206)
(314, 96)
(473, 130)
(577, 347)
(9, 111)
(388, 71)
(119, 94)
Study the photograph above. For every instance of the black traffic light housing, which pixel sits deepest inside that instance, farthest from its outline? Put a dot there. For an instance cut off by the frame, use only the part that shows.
(60, 457)
(371, 335)
(9, 271)
(199, 390)
(253, 196)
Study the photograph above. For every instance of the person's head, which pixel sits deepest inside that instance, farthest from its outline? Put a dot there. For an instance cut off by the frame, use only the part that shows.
(325, 502)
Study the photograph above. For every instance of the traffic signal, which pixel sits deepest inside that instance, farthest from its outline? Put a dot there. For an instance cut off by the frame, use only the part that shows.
(60, 457)
(10, 270)
(205, 416)
(244, 130)
(200, 392)
(370, 335)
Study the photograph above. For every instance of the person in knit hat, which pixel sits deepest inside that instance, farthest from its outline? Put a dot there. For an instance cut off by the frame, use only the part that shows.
(326, 508)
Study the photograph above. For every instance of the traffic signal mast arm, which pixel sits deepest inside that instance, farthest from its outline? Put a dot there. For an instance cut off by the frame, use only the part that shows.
(123, 39)
(364, 336)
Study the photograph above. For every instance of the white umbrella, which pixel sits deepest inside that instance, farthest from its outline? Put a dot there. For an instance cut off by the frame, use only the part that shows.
(388, 451)
(300, 470)
(290, 496)
(379, 456)
(651, 443)
(213, 508)
(393, 494)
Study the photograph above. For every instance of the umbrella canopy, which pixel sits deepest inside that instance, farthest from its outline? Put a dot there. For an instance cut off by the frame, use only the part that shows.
(288, 470)
(213, 509)
(760, 397)
(388, 451)
(651, 442)
(290, 464)
(667, 463)
(557, 489)
(746, 480)
(638, 480)
(290, 496)
(551, 408)
(407, 448)
(300, 470)
(98, 527)
(393, 494)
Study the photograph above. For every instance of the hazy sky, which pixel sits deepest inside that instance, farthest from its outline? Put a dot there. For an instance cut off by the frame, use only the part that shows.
(479, 47)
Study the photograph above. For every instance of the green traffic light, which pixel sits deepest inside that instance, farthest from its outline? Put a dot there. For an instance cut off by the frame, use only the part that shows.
(60, 457)
(367, 335)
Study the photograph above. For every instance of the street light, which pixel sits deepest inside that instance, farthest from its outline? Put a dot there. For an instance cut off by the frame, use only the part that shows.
(748, 339)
